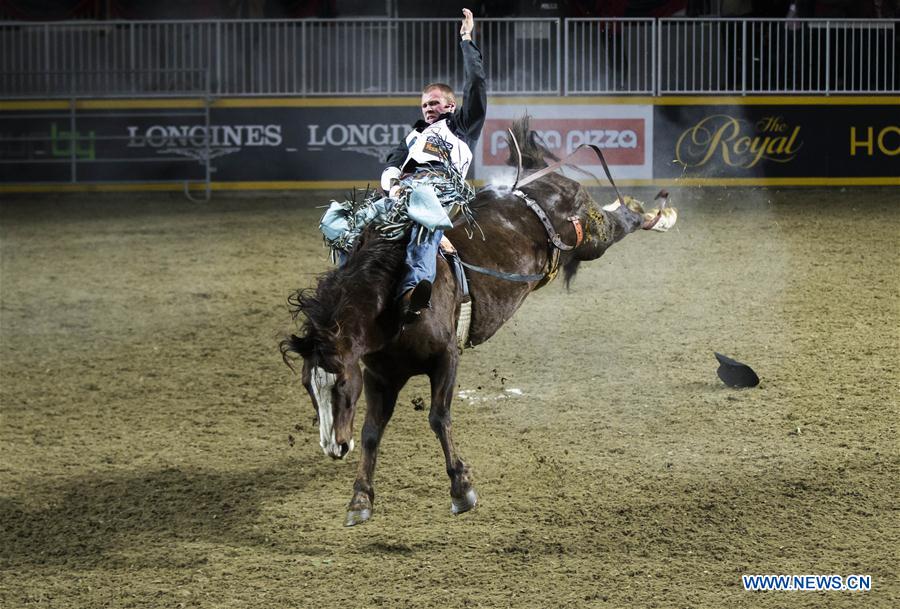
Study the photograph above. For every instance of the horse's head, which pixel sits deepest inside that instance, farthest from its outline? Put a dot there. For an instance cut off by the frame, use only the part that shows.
(334, 395)
(333, 379)
(604, 226)
(567, 201)
(340, 326)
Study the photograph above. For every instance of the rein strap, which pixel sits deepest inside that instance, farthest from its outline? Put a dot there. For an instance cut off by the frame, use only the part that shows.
(502, 275)
(537, 175)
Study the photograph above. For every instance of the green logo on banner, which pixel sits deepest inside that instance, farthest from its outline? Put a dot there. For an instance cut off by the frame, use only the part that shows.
(66, 144)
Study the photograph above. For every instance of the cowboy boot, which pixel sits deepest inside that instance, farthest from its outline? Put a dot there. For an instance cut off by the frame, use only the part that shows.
(414, 300)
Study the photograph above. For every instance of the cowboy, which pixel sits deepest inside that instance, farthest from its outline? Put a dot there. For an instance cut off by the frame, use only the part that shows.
(442, 141)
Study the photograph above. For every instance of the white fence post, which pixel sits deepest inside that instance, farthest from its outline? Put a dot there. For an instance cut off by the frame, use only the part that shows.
(827, 58)
(744, 59)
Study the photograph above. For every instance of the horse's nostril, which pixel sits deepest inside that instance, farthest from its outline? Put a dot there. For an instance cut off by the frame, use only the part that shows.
(345, 448)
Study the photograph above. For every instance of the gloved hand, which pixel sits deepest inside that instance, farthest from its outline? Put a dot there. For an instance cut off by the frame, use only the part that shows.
(389, 177)
(467, 25)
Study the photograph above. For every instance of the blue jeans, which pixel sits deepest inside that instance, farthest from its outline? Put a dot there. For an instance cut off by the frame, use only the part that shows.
(421, 259)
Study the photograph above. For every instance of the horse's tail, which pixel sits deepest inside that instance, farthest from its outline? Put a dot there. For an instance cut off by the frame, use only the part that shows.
(534, 151)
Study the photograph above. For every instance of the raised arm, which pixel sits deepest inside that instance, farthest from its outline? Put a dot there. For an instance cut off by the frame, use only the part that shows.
(470, 116)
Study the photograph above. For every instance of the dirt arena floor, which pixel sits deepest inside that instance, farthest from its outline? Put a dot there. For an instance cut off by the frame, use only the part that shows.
(157, 453)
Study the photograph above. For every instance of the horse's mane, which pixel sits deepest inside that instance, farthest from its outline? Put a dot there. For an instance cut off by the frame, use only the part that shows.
(533, 149)
(362, 287)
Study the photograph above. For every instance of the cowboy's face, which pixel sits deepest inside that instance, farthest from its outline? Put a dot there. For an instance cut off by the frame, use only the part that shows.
(434, 104)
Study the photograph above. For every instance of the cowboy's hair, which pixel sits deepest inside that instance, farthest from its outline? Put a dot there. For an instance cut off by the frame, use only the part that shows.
(445, 89)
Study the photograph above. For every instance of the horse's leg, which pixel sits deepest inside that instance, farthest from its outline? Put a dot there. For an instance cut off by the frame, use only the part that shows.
(381, 397)
(443, 380)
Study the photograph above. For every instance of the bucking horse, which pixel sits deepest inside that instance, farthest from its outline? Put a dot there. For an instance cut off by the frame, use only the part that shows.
(353, 339)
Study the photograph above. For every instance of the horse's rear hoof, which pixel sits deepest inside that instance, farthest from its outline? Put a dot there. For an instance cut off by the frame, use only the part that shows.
(355, 517)
(464, 504)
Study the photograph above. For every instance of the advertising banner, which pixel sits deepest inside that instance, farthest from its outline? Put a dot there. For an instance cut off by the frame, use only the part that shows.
(244, 144)
(97, 146)
(777, 141)
(339, 143)
(345, 143)
(623, 132)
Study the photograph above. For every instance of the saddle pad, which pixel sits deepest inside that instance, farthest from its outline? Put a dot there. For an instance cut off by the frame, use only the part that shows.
(335, 223)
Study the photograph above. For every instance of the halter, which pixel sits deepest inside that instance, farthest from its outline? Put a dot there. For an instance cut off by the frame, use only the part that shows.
(548, 225)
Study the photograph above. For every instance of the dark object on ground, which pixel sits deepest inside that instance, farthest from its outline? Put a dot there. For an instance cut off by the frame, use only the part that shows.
(735, 374)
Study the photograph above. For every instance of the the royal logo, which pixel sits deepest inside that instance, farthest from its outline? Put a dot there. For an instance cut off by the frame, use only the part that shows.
(738, 143)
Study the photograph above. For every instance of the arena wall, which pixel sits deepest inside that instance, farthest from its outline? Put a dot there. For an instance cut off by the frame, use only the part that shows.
(294, 143)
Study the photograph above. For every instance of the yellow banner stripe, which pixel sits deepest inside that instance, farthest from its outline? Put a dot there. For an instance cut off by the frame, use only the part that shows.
(123, 104)
(34, 105)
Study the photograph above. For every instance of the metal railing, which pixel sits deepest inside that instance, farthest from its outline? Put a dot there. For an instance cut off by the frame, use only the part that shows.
(76, 59)
(756, 56)
(610, 56)
(379, 56)
(365, 57)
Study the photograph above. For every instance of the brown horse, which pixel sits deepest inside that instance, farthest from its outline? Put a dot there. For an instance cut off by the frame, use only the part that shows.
(352, 316)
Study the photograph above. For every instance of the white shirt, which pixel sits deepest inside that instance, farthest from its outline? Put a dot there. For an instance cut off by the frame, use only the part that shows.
(425, 147)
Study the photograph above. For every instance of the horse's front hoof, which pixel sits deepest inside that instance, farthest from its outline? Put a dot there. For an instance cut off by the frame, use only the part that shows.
(465, 503)
(355, 517)
(359, 510)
